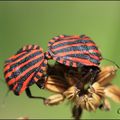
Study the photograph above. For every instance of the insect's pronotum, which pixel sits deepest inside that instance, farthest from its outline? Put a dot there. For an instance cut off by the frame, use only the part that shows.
(76, 74)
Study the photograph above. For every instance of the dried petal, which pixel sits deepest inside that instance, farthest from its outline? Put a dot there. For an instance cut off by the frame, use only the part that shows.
(92, 106)
(96, 88)
(88, 103)
(113, 92)
(96, 99)
(79, 100)
(71, 92)
(106, 75)
(54, 99)
(55, 84)
(87, 106)
(107, 105)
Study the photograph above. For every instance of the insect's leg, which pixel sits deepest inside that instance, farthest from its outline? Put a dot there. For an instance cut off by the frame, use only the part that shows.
(28, 93)
(41, 83)
(76, 112)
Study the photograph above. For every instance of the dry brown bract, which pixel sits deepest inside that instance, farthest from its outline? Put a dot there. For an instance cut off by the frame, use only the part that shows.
(105, 77)
(95, 95)
(92, 99)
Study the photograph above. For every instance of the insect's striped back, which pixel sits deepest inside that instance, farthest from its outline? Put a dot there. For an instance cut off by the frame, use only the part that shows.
(24, 68)
(74, 51)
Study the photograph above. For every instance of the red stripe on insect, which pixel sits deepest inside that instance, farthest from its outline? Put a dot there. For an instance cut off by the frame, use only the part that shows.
(22, 74)
(32, 52)
(15, 86)
(67, 63)
(86, 38)
(45, 61)
(6, 68)
(92, 56)
(62, 41)
(36, 79)
(39, 74)
(35, 46)
(66, 40)
(29, 46)
(70, 37)
(74, 64)
(75, 52)
(84, 61)
(21, 65)
(15, 56)
(56, 38)
(47, 55)
(26, 83)
(51, 40)
(61, 36)
(41, 50)
(77, 44)
(24, 48)
(43, 68)
(61, 60)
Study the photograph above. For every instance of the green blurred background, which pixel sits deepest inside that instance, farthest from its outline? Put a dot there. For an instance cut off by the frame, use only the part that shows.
(24, 23)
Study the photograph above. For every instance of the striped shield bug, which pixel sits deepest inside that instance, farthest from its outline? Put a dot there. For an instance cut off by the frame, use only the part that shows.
(74, 51)
(25, 68)
(75, 75)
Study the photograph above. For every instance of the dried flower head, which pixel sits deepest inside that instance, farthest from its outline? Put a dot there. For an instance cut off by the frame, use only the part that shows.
(87, 88)
(91, 100)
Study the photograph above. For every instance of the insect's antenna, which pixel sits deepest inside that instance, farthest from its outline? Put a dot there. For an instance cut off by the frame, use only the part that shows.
(112, 62)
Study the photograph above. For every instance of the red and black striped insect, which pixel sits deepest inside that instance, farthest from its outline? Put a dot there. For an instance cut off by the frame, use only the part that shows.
(76, 69)
(74, 51)
(25, 68)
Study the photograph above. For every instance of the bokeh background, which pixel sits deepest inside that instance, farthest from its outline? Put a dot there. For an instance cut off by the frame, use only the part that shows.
(24, 23)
